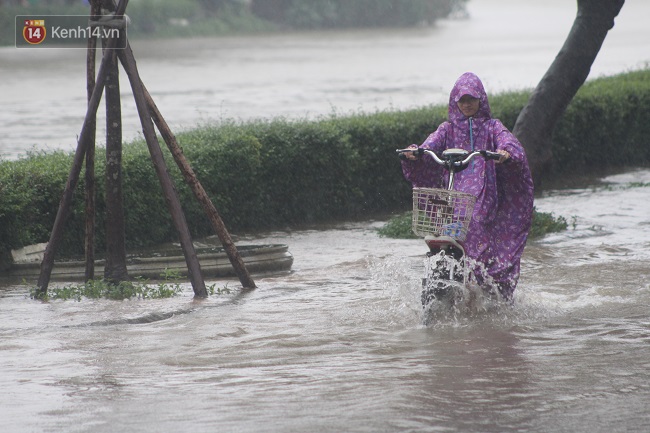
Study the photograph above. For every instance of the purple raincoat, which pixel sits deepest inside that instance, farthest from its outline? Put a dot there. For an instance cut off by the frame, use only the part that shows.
(503, 211)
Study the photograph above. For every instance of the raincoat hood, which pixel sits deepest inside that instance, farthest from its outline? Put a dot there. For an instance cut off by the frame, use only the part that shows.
(468, 84)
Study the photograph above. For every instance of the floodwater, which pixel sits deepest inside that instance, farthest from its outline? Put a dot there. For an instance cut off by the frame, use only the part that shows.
(338, 344)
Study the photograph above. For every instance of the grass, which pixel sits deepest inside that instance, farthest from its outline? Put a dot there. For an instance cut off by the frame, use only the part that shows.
(140, 288)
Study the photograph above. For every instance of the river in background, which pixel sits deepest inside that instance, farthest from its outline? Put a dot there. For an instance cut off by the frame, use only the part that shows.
(338, 344)
(509, 43)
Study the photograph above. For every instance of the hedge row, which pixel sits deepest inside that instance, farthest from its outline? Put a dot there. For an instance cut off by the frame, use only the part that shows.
(606, 124)
(279, 173)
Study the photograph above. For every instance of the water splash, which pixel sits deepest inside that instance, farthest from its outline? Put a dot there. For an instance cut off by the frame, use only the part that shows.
(400, 281)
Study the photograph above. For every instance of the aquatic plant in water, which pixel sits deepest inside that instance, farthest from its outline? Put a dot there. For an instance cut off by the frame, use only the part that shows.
(140, 288)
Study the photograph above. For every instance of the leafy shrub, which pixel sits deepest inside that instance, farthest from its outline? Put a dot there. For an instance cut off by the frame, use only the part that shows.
(605, 124)
(544, 223)
(269, 174)
(30, 191)
(398, 227)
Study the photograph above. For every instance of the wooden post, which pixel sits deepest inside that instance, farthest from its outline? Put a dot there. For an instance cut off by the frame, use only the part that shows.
(89, 243)
(171, 196)
(147, 111)
(202, 196)
(196, 187)
(82, 144)
(126, 57)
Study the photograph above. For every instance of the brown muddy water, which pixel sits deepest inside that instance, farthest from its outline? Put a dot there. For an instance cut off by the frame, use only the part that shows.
(338, 343)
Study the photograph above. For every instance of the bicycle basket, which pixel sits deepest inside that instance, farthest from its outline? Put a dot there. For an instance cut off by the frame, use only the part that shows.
(440, 212)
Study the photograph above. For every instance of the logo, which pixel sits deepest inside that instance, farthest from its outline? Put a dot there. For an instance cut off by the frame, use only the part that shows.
(34, 31)
(67, 31)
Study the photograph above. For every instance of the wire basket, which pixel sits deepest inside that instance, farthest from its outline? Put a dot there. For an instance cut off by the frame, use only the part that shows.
(440, 212)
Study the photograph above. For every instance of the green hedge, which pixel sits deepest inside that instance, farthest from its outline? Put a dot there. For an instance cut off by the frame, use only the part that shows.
(279, 173)
(610, 116)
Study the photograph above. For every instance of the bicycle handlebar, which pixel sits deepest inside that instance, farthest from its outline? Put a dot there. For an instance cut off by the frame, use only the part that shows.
(452, 158)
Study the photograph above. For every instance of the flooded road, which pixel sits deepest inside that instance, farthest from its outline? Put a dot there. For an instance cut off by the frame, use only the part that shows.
(338, 344)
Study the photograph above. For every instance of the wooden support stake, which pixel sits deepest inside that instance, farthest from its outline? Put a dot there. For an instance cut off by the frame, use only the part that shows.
(89, 242)
(82, 144)
(171, 196)
(193, 182)
(202, 196)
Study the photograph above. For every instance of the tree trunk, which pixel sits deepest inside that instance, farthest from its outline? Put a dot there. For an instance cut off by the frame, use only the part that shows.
(569, 70)
(115, 268)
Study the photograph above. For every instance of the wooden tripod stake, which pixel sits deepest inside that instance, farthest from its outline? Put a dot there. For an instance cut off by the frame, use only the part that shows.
(146, 111)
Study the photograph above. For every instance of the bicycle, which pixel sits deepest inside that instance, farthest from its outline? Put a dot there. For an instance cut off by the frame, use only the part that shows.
(442, 217)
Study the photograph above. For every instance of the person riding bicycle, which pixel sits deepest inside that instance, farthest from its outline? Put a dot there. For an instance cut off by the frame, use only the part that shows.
(504, 189)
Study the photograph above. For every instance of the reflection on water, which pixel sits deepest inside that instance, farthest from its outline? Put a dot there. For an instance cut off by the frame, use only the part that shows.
(338, 344)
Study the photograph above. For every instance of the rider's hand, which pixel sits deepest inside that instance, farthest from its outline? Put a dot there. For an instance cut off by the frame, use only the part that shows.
(410, 155)
(504, 156)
